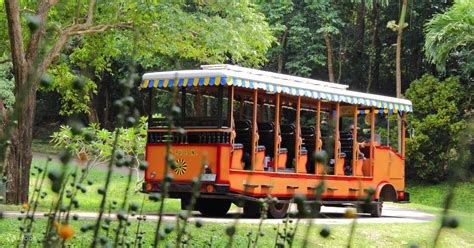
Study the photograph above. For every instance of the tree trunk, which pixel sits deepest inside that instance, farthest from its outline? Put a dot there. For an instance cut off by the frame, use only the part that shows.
(19, 156)
(28, 66)
(105, 120)
(374, 45)
(3, 117)
(358, 52)
(281, 60)
(401, 25)
(327, 40)
(342, 56)
(92, 116)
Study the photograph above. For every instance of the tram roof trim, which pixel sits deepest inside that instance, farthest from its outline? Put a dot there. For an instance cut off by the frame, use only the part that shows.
(223, 74)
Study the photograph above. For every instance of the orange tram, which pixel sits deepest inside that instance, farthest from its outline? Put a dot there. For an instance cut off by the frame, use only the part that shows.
(249, 134)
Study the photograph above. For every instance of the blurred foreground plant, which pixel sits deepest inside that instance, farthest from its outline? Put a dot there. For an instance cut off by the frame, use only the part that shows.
(95, 144)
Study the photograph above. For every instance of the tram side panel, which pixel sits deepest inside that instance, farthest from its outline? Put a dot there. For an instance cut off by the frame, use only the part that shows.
(389, 169)
(188, 161)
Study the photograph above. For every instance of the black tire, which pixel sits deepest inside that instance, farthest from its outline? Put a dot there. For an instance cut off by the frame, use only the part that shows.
(376, 209)
(252, 209)
(213, 207)
(278, 210)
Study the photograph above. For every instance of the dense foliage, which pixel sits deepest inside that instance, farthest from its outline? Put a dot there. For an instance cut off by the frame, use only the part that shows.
(438, 121)
(450, 36)
(93, 145)
(6, 85)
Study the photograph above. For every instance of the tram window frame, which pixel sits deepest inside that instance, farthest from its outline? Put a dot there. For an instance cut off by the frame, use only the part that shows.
(219, 94)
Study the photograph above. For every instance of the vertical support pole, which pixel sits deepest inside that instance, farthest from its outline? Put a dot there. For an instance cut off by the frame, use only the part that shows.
(404, 119)
(372, 139)
(151, 106)
(277, 132)
(355, 144)
(318, 134)
(231, 114)
(220, 105)
(183, 106)
(387, 116)
(336, 135)
(199, 102)
(254, 129)
(241, 109)
(298, 133)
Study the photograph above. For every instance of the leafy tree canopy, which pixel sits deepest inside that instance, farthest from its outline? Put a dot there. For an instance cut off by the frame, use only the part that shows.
(451, 34)
(150, 31)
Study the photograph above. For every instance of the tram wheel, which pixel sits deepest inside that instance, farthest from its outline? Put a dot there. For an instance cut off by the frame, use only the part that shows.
(374, 209)
(278, 210)
(213, 207)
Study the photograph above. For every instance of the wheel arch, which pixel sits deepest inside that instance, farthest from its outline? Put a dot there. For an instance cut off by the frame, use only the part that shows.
(386, 191)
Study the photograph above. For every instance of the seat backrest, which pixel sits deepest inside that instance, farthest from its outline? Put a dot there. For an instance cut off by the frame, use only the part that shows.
(346, 140)
(288, 139)
(308, 134)
(243, 131)
(266, 132)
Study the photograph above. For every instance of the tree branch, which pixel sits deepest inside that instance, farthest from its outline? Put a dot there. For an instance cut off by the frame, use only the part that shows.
(102, 28)
(5, 61)
(16, 39)
(36, 37)
(90, 12)
(79, 29)
(78, 11)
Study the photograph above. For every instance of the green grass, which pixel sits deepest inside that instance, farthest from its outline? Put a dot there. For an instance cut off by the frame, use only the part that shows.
(366, 235)
(434, 195)
(42, 146)
(90, 201)
(431, 198)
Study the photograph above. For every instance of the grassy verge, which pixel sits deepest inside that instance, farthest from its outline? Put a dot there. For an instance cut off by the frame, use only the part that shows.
(42, 146)
(366, 235)
(90, 201)
(430, 198)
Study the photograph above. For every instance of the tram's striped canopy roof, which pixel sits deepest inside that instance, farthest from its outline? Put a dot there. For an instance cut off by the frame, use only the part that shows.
(213, 75)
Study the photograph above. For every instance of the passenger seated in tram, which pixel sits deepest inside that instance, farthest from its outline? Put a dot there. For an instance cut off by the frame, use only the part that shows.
(347, 141)
(360, 155)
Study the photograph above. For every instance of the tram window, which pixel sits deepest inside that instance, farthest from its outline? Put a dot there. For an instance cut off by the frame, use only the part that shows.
(393, 126)
(206, 107)
(203, 107)
(162, 100)
(288, 131)
(382, 132)
(327, 133)
(363, 125)
(308, 118)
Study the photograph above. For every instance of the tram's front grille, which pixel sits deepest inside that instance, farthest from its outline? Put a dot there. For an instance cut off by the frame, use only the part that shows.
(188, 138)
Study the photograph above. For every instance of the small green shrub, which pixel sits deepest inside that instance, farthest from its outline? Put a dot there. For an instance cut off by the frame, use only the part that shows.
(94, 145)
(438, 121)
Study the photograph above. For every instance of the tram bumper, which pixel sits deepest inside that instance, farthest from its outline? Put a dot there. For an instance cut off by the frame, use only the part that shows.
(178, 189)
(403, 197)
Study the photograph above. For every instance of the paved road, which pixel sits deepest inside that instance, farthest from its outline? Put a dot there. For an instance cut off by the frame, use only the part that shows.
(330, 215)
